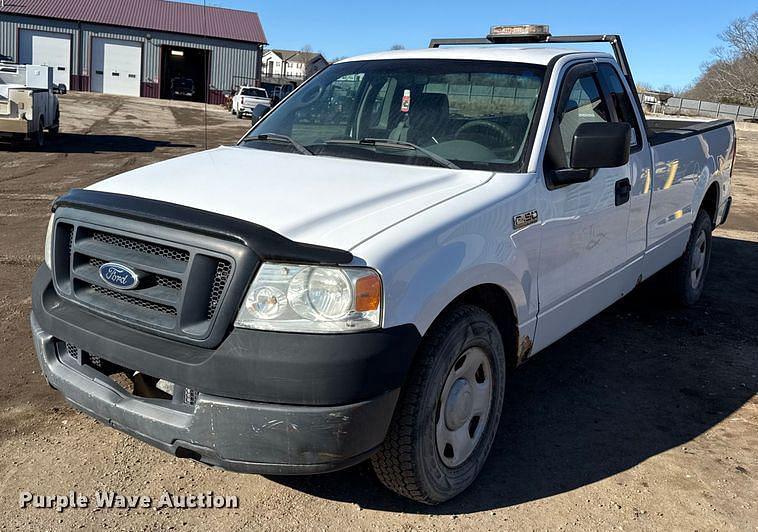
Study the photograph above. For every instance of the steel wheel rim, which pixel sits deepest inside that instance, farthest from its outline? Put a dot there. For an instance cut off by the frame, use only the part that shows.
(464, 406)
(697, 268)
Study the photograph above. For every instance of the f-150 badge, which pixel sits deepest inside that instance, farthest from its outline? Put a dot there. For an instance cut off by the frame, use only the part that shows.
(524, 219)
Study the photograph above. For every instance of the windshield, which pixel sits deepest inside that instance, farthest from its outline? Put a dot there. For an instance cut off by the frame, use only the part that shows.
(472, 114)
(261, 93)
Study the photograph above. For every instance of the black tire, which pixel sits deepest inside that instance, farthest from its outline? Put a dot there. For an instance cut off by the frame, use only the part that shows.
(234, 112)
(409, 461)
(38, 138)
(687, 275)
(56, 127)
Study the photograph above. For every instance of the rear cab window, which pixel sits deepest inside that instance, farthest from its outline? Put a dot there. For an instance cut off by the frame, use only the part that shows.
(260, 93)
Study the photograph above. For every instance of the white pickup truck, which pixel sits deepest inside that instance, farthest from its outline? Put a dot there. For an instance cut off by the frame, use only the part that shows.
(357, 277)
(28, 102)
(246, 99)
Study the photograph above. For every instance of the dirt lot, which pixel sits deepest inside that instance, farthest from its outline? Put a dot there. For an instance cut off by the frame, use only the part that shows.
(644, 418)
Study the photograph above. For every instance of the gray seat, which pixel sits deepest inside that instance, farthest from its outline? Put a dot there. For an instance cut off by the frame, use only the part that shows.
(427, 118)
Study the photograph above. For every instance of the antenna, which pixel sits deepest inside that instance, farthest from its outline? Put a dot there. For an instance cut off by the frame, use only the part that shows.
(207, 75)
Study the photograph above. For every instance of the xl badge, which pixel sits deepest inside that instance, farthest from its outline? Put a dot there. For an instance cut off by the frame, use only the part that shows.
(524, 219)
(119, 276)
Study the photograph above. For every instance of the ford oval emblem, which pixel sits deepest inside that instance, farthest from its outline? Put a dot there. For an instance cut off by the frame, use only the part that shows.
(119, 276)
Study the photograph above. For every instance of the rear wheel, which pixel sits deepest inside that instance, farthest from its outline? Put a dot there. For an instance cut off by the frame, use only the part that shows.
(56, 127)
(38, 137)
(449, 410)
(688, 273)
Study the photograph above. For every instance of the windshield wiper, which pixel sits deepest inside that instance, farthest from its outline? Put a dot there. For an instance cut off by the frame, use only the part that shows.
(276, 137)
(398, 144)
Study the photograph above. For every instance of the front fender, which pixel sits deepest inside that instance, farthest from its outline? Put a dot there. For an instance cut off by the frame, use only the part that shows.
(429, 260)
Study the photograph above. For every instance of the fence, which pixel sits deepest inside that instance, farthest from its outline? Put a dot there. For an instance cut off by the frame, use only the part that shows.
(683, 106)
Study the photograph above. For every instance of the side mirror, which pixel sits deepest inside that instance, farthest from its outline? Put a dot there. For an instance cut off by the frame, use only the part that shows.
(260, 110)
(601, 145)
(595, 145)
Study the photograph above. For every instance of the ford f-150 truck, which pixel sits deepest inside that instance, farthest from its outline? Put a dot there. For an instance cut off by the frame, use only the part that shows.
(359, 276)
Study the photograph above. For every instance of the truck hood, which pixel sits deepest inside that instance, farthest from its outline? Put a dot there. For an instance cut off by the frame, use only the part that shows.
(317, 200)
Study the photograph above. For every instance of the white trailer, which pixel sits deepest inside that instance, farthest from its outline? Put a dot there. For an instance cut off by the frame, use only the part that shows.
(28, 104)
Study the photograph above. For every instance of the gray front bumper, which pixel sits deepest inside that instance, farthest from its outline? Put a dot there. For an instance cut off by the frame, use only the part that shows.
(237, 435)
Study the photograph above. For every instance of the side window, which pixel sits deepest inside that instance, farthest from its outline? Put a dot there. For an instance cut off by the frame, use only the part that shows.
(326, 111)
(620, 100)
(381, 105)
(585, 104)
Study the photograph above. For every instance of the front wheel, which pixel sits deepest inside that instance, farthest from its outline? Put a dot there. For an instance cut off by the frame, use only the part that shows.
(688, 273)
(449, 410)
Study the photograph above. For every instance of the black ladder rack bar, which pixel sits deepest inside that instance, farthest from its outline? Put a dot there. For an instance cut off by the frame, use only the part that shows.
(613, 40)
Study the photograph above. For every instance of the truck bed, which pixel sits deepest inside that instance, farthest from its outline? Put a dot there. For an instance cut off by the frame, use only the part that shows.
(687, 156)
(665, 130)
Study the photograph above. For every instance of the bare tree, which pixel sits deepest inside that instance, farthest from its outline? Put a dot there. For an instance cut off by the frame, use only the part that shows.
(732, 76)
(397, 47)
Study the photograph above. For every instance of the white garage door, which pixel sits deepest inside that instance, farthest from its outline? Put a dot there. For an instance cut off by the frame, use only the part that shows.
(49, 49)
(116, 66)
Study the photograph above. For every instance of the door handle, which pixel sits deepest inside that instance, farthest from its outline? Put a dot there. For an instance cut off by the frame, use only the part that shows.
(623, 191)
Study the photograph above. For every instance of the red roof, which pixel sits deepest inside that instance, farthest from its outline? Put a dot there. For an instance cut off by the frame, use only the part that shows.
(156, 15)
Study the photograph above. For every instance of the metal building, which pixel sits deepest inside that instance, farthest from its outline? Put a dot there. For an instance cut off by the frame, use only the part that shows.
(152, 48)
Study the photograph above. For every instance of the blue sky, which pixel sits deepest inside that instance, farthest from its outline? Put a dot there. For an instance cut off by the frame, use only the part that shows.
(666, 40)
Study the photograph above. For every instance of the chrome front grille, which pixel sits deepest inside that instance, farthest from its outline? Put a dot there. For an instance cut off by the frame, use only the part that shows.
(181, 290)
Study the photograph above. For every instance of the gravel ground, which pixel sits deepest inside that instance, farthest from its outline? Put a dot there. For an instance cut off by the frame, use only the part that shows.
(644, 418)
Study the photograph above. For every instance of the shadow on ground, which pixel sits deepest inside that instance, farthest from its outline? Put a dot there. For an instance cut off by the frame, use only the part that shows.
(638, 380)
(93, 143)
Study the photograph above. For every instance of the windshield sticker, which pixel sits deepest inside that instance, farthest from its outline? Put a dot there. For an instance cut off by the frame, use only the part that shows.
(406, 105)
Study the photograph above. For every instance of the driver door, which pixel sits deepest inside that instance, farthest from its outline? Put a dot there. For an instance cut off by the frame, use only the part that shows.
(584, 225)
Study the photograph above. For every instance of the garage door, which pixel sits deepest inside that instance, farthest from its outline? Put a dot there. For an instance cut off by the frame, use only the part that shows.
(49, 49)
(116, 66)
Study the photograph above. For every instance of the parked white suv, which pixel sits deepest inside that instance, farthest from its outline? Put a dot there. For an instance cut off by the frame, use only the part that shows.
(360, 275)
(246, 99)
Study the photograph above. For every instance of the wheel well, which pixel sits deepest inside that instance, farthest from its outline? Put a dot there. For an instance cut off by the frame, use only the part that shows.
(711, 202)
(496, 302)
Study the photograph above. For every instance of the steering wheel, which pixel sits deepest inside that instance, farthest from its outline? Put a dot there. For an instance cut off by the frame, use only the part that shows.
(501, 134)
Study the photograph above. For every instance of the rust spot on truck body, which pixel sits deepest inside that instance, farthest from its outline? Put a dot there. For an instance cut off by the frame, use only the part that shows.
(524, 350)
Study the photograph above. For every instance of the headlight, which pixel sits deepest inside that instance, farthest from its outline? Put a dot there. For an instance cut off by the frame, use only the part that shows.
(320, 299)
(49, 243)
